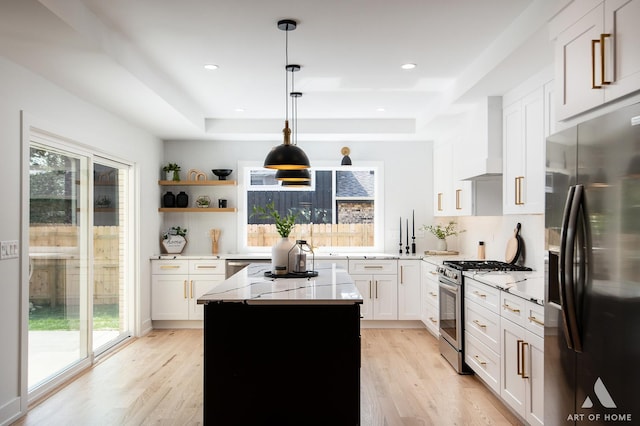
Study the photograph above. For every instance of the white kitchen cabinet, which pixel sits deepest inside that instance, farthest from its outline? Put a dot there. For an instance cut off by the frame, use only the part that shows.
(453, 197)
(522, 374)
(429, 298)
(597, 58)
(482, 332)
(409, 289)
(523, 154)
(176, 285)
(377, 282)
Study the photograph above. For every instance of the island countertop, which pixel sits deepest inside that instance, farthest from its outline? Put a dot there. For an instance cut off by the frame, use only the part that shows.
(333, 285)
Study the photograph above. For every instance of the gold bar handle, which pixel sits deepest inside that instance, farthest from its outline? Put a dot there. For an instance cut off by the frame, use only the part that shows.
(191, 289)
(184, 289)
(524, 368)
(602, 59)
(369, 289)
(479, 360)
(435, 321)
(476, 322)
(509, 308)
(536, 321)
(376, 288)
(439, 201)
(401, 274)
(519, 356)
(433, 272)
(518, 190)
(206, 267)
(458, 202)
(169, 266)
(433, 294)
(480, 295)
(593, 64)
(373, 267)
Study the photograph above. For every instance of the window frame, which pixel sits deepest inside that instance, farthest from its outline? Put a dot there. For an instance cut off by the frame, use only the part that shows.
(244, 168)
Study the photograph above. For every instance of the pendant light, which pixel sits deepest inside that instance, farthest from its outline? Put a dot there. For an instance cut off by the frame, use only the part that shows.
(287, 156)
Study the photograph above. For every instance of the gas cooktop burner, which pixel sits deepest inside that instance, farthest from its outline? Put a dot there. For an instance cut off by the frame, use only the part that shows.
(483, 265)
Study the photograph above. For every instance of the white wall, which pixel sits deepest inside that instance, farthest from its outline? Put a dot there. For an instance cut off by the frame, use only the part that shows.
(58, 111)
(408, 183)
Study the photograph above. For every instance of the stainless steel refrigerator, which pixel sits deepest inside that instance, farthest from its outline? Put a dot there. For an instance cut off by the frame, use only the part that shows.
(592, 300)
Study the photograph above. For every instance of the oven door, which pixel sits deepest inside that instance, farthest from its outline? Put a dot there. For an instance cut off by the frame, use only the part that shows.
(451, 313)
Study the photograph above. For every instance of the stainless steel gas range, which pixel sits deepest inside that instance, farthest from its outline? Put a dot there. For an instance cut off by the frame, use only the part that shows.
(451, 284)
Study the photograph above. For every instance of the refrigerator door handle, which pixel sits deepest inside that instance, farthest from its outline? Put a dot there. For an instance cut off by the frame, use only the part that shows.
(570, 307)
(562, 276)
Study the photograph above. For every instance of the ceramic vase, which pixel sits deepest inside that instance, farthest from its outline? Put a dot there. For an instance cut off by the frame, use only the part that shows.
(280, 255)
(441, 245)
(182, 199)
(169, 199)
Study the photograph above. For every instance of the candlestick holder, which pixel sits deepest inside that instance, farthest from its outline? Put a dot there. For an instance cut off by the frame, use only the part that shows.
(400, 247)
(407, 247)
(413, 245)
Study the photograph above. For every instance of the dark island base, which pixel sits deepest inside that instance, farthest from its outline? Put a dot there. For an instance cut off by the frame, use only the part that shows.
(281, 364)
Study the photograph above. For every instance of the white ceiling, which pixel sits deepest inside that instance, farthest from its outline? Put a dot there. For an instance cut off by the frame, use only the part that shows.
(143, 60)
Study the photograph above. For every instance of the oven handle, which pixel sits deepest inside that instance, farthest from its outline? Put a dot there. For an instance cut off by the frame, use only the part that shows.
(451, 288)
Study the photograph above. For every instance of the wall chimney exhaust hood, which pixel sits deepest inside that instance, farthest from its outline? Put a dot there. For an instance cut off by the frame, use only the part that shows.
(481, 156)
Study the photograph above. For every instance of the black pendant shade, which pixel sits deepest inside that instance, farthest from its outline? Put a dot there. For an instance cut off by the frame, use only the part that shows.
(286, 157)
(300, 184)
(300, 175)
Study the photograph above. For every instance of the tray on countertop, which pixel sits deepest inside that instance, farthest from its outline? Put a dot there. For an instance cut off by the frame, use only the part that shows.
(441, 252)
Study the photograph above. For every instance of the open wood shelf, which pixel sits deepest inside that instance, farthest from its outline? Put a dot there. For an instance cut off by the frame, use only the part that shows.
(197, 210)
(197, 183)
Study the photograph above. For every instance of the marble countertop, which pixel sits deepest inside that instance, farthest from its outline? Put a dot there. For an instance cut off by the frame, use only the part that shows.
(318, 256)
(333, 285)
(527, 285)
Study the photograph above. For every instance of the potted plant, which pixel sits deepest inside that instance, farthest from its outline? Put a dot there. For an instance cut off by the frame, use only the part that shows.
(284, 226)
(172, 170)
(203, 201)
(174, 240)
(442, 232)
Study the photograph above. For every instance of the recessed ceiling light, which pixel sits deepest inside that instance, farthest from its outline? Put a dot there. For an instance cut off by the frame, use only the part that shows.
(408, 66)
(380, 109)
(239, 110)
(211, 67)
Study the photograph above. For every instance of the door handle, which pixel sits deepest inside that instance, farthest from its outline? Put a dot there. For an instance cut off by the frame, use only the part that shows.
(439, 201)
(479, 324)
(570, 282)
(519, 362)
(524, 367)
(369, 289)
(184, 289)
(376, 288)
(191, 289)
(401, 274)
(458, 200)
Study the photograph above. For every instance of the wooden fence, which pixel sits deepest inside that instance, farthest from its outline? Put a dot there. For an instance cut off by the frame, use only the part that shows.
(320, 235)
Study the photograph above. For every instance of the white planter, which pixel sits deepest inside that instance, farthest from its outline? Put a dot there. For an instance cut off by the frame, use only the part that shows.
(173, 244)
(441, 245)
(280, 255)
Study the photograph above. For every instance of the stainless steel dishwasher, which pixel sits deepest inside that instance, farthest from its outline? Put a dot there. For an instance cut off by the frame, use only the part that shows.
(234, 265)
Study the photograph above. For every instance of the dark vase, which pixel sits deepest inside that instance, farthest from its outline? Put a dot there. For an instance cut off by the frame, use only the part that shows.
(182, 199)
(169, 200)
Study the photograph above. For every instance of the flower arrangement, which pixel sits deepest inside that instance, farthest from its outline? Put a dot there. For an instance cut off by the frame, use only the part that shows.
(173, 169)
(174, 230)
(284, 224)
(443, 232)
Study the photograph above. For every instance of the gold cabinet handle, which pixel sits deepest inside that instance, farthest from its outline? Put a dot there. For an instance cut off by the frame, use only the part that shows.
(519, 357)
(373, 267)
(479, 324)
(169, 266)
(401, 274)
(480, 295)
(376, 288)
(435, 321)
(518, 190)
(184, 289)
(524, 367)
(602, 58)
(509, 308)
(369, 289)
(433, 294)
(458, 201)
(593, 64)
(206, 267)
(439, 201)
(536, 320)
(433, 272)
(479, 360)
(191, 289)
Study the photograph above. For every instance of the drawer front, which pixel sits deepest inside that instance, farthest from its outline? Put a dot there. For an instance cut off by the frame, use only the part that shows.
(431, 320)
(535, 318)
(373, 266)
(429, 272)
(483, 361)
(482, 324)
(513, 308)
(431, 292)
(166, 267)
(206, 266)
(483, 295)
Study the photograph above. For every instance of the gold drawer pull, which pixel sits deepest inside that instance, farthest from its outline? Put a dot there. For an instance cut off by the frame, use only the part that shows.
(479, 360)
(433, 272)
(477, 293)
(373, 267)
(509, 308)
(536, 320)
(476, 322)
(169, 266)
(206, 267)
(435, 321)
(433, 294)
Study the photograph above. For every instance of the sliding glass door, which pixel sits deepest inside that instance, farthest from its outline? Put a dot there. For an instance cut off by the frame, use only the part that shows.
(79, 248)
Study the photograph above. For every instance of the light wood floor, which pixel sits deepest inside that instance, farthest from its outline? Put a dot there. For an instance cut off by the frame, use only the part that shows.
(157, 379)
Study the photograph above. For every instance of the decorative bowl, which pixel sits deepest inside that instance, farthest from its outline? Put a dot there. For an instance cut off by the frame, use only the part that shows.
(222, 173)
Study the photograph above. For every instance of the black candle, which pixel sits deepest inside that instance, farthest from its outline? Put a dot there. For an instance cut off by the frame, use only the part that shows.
(413, 224)
(400, 230)
(407, 232)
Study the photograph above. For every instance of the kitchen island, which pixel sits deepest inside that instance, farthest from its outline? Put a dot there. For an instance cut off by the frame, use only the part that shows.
(282, 351)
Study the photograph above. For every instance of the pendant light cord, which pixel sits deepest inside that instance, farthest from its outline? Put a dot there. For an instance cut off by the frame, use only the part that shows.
(286, 73)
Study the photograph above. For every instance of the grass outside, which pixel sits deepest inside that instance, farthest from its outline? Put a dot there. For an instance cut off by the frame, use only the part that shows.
(105, 317)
